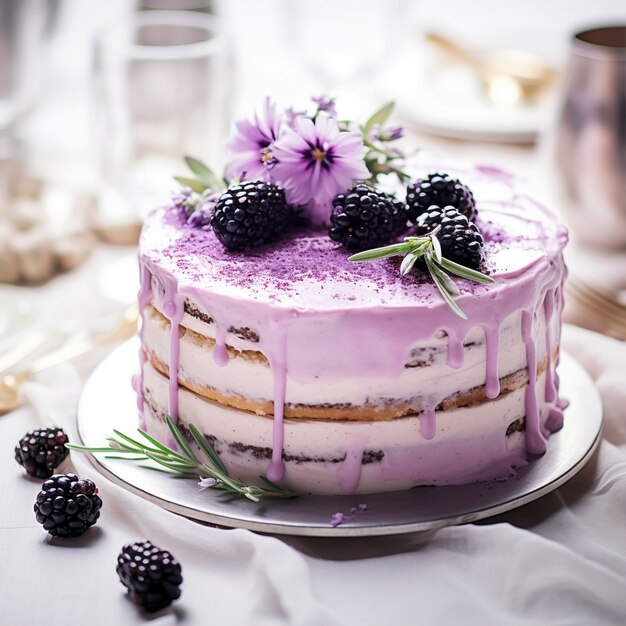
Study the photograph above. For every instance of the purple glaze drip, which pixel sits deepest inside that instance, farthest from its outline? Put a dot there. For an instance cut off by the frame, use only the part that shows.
(535, 442)
(276, 468)
(492, 348)
(173, 308)
(428, 423)
(350, 469)
(456, 354)
(555, 419)
(143, 297)
(220, 351)
(550, 389)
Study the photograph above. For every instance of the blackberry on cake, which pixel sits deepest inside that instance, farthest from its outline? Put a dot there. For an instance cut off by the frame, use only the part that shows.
(41, 451)
(460, 239)
(67, 506)
(440, 190)
(250, 215)
(152, 576)
(365, 217)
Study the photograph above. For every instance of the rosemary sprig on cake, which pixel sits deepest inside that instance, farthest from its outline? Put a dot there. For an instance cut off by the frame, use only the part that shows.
(185, 461)
(429, 249)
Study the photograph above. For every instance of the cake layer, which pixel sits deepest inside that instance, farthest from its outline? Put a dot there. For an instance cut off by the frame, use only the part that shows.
(247, 382)
(458, 446)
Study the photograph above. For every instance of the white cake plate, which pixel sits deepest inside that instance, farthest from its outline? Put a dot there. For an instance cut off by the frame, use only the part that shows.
(108, 402)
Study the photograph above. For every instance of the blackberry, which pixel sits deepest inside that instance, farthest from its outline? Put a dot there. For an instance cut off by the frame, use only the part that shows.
(41, 451)
(441, 190)
(460, 239)
(67, 505)
(151, 575)
(365, 218)
(250, 215)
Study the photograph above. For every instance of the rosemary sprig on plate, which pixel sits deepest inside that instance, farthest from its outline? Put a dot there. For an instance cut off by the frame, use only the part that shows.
(185, 461)
(427, 248)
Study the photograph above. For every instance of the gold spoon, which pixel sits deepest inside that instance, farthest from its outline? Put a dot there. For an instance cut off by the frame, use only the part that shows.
(510, 77)
(10, 383)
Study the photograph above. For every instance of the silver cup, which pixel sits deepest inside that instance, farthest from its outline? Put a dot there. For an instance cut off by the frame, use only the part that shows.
(590, 138)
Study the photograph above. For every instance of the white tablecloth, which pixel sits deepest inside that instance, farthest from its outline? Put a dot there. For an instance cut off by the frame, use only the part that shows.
(560, 560)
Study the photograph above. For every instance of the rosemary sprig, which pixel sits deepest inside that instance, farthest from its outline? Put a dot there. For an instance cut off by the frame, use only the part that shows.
(185, 461)
(428, 248)
(204, 181)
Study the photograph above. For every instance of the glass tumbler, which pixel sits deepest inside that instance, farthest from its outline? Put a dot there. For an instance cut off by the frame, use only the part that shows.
(161, 92)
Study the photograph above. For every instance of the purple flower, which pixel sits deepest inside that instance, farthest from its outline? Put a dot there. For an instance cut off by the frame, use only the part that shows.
(316, 162)
(387, 134)
(200, 217)
(326, 104)
(183, 201)
(291, 115)
(206, 483)
(251, 146)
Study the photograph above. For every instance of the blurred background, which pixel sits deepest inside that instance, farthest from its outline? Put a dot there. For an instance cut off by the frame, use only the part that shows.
(99, 101)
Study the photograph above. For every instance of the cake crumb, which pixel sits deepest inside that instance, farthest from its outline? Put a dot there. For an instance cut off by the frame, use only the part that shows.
(336, 519)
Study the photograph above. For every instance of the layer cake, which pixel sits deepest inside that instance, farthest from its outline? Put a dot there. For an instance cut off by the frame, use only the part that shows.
(333, 377)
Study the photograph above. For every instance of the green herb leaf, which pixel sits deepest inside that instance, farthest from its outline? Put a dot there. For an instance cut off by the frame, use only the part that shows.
(192, 183)
(380, 253)
(443, 288)
(158, 445)
(408, 262)
(436, 248)
(180, 440)
(445, 280)
(206, 448)
(465, 272)
(204, 173)
(379, 117)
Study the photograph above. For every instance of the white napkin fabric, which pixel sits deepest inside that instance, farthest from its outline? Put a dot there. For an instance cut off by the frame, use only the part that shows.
(559, 560)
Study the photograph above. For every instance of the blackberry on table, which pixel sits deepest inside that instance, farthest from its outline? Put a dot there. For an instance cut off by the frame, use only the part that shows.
(67, 505)
(152, 576)
(365, 217)
(41, 451)
(250, 215)
(440, 190)
(460, 239)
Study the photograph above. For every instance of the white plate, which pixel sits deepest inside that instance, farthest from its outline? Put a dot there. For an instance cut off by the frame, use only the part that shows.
(447, 99)
(108, 402)
(18, 313)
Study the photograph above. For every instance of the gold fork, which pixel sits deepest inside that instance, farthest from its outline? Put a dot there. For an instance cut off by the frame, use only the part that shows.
(24, 348)
(600, 305)
(10, 384)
